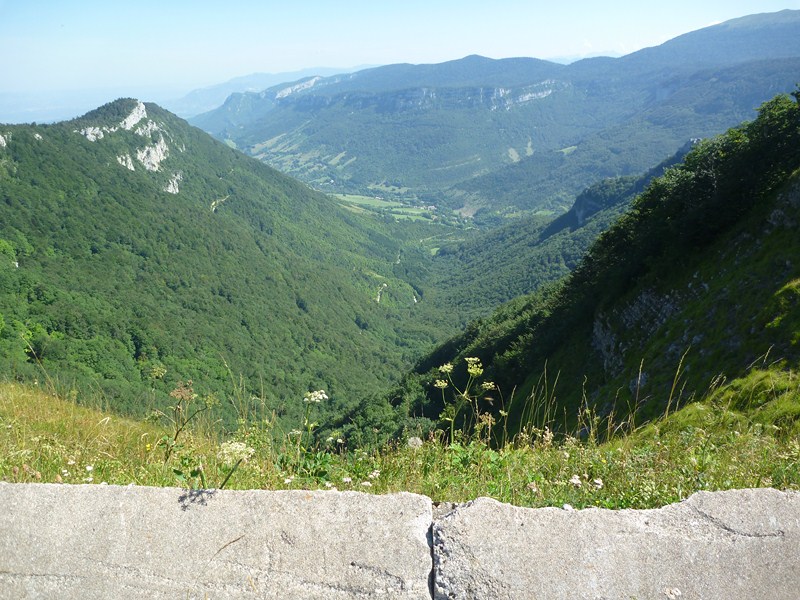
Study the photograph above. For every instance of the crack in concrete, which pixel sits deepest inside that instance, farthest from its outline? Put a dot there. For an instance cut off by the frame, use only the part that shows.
(717, 522)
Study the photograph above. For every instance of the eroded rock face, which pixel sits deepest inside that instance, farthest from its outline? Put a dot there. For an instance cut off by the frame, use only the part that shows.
(726, 545)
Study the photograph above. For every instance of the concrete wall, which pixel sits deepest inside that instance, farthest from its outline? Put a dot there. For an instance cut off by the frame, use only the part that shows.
(60, 541)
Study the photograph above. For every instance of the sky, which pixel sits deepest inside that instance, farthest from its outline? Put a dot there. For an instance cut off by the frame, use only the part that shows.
(173, 46)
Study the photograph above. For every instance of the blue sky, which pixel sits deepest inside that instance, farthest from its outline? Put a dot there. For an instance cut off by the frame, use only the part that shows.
(181, 45)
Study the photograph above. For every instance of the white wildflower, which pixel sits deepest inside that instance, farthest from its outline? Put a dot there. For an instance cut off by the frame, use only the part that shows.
(347, 479)
(231, 453)
(315, 396)
(89, 480)
(89, 468)
(366, 484)
(488, 386)
(576, 481)
(440, 383)
(446, 368)
(598, 483)
(375, 474)
(414, 442)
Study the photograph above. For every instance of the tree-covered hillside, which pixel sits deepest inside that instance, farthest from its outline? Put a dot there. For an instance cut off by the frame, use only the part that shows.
(136, 252)
(695, 284)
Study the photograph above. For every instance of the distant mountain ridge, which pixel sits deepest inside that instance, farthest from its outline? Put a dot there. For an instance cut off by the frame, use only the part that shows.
(208, 98)
(476, 133)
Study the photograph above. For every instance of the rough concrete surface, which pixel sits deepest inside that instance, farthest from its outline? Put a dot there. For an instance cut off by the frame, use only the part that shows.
(726, 545)
(89, 541)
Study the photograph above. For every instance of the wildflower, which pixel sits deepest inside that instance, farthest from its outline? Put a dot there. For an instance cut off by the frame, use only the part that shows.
(375, 474)
(414, 442)
(598, 483)
(347, 479)
(446, 368)
(576, 481)
(89, 468)
(440, 383)
(488, 386)
(89, 480)
(316, 396)
(70, 462)
(148, 447)
(329, 440)
(328, 484)
(547, 438)
(474, 367)
(295, 432)
(231, 453)
(339, 441)
(288, 480)
(366, 484)
(533, 487)
(65, 473)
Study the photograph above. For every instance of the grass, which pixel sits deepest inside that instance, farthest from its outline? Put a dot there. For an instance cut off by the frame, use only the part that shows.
(728, 440)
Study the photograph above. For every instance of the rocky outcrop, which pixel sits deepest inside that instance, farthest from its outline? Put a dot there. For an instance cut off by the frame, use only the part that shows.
(90, 541)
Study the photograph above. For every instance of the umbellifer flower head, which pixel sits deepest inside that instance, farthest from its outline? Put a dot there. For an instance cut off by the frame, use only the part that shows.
(440, 383)
(315, 396)
(446, 368)
(231, 453)
(474, 366)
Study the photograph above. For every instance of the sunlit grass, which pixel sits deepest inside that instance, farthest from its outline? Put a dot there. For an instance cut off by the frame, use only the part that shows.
(727, 440)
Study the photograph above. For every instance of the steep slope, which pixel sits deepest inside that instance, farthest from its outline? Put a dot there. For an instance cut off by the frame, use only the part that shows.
(476, 276)
(695, 284)
(137, 252)
(479, 134)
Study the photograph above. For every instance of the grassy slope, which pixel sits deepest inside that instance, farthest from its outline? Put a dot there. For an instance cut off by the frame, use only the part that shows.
(707, 446)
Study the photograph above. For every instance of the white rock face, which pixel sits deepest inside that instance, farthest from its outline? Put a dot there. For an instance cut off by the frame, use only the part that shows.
(126, 161)
(152, 156)
(297, 88)
(137, 114)
(172, 186)
(2, 142)
(147, 129)
(93, 133)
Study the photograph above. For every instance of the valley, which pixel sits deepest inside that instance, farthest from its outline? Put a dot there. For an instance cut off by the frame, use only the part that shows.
(611, 237)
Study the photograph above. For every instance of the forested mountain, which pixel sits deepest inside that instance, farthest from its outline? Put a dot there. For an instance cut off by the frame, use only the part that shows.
(696, 284)
(475, 276)
(503, 135)
(137, 252)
